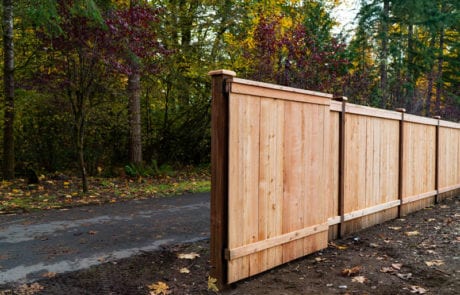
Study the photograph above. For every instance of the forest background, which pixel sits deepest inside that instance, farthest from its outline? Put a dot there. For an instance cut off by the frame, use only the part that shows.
(96, 87)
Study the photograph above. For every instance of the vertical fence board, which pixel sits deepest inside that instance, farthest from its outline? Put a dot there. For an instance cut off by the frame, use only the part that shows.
(316, 182)
(243, 181)
(294, 175)
(333, 171)
(271, 179)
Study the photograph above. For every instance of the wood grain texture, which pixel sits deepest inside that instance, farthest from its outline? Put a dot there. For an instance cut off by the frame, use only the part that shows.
(449, 153)
(279, 163)
(219, 175)
(278, 149)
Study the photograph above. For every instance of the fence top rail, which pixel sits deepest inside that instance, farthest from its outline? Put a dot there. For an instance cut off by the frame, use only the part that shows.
(356, 109)
(420, 120)
(449, 124)
(261, 89)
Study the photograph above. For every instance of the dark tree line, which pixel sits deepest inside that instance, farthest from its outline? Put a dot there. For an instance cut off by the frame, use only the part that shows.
(96, 86)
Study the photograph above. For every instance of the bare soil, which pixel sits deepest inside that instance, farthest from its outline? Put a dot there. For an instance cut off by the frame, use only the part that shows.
(419, 254)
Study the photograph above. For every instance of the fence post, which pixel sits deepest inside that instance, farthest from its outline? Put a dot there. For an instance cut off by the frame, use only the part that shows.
(341, 201)
(401, 161)
(436, 179)
(219, 174)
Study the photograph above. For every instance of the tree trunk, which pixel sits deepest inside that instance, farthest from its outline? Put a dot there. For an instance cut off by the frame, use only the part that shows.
(430, 78)
(134, 107)
(81, 157)
(135, 151)
(8, 79)
(439, 82)
(78, 111)
(410, 95)
(384, 56)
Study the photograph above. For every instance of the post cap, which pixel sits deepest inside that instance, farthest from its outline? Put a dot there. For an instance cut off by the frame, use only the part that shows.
(401, 110)
(222, 72)
(437, 117)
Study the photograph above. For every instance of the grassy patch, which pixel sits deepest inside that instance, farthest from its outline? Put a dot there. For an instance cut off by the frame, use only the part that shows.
(18, 197)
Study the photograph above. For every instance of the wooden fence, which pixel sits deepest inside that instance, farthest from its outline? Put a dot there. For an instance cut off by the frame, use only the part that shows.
(292, 169)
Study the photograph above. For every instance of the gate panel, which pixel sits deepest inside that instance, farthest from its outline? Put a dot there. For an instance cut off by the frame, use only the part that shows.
(278, 184)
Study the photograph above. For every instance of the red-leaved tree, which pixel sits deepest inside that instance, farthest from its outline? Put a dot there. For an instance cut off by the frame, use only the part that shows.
(132, 48)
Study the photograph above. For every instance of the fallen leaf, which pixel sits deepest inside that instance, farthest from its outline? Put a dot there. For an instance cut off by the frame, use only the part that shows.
(349, 272)
(387, 269)
(404, 276)
(212, 286)
(159, 288)
(411, 233)
(436, 262)
(49, 275)
(190, 256)
(340, 247)
(431, 219)
(395, 227)
(418, 290)
(30, 289)
(359, 279)
(184, 270)
(319, 259)
(396, 266)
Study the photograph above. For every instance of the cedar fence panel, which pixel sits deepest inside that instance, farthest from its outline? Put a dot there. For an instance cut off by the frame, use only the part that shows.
(278, 168)
(292, 168)
(449, 153)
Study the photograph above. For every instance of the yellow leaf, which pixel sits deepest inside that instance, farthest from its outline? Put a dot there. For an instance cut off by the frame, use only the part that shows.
(436, 262)
(159, 288)
(412, 233)
(359, 279)
(212, 286)
(184, 270)
(349, 272)
(340, 247)
(190, 256)
(394, 227)
(66, 183)
(49, 275)
(387, 269)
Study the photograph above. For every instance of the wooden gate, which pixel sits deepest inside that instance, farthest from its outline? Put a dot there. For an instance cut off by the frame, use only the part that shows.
(278, 166)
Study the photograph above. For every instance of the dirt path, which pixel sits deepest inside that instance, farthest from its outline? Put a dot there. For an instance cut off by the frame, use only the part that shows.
(32, 245)
(419, 254)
